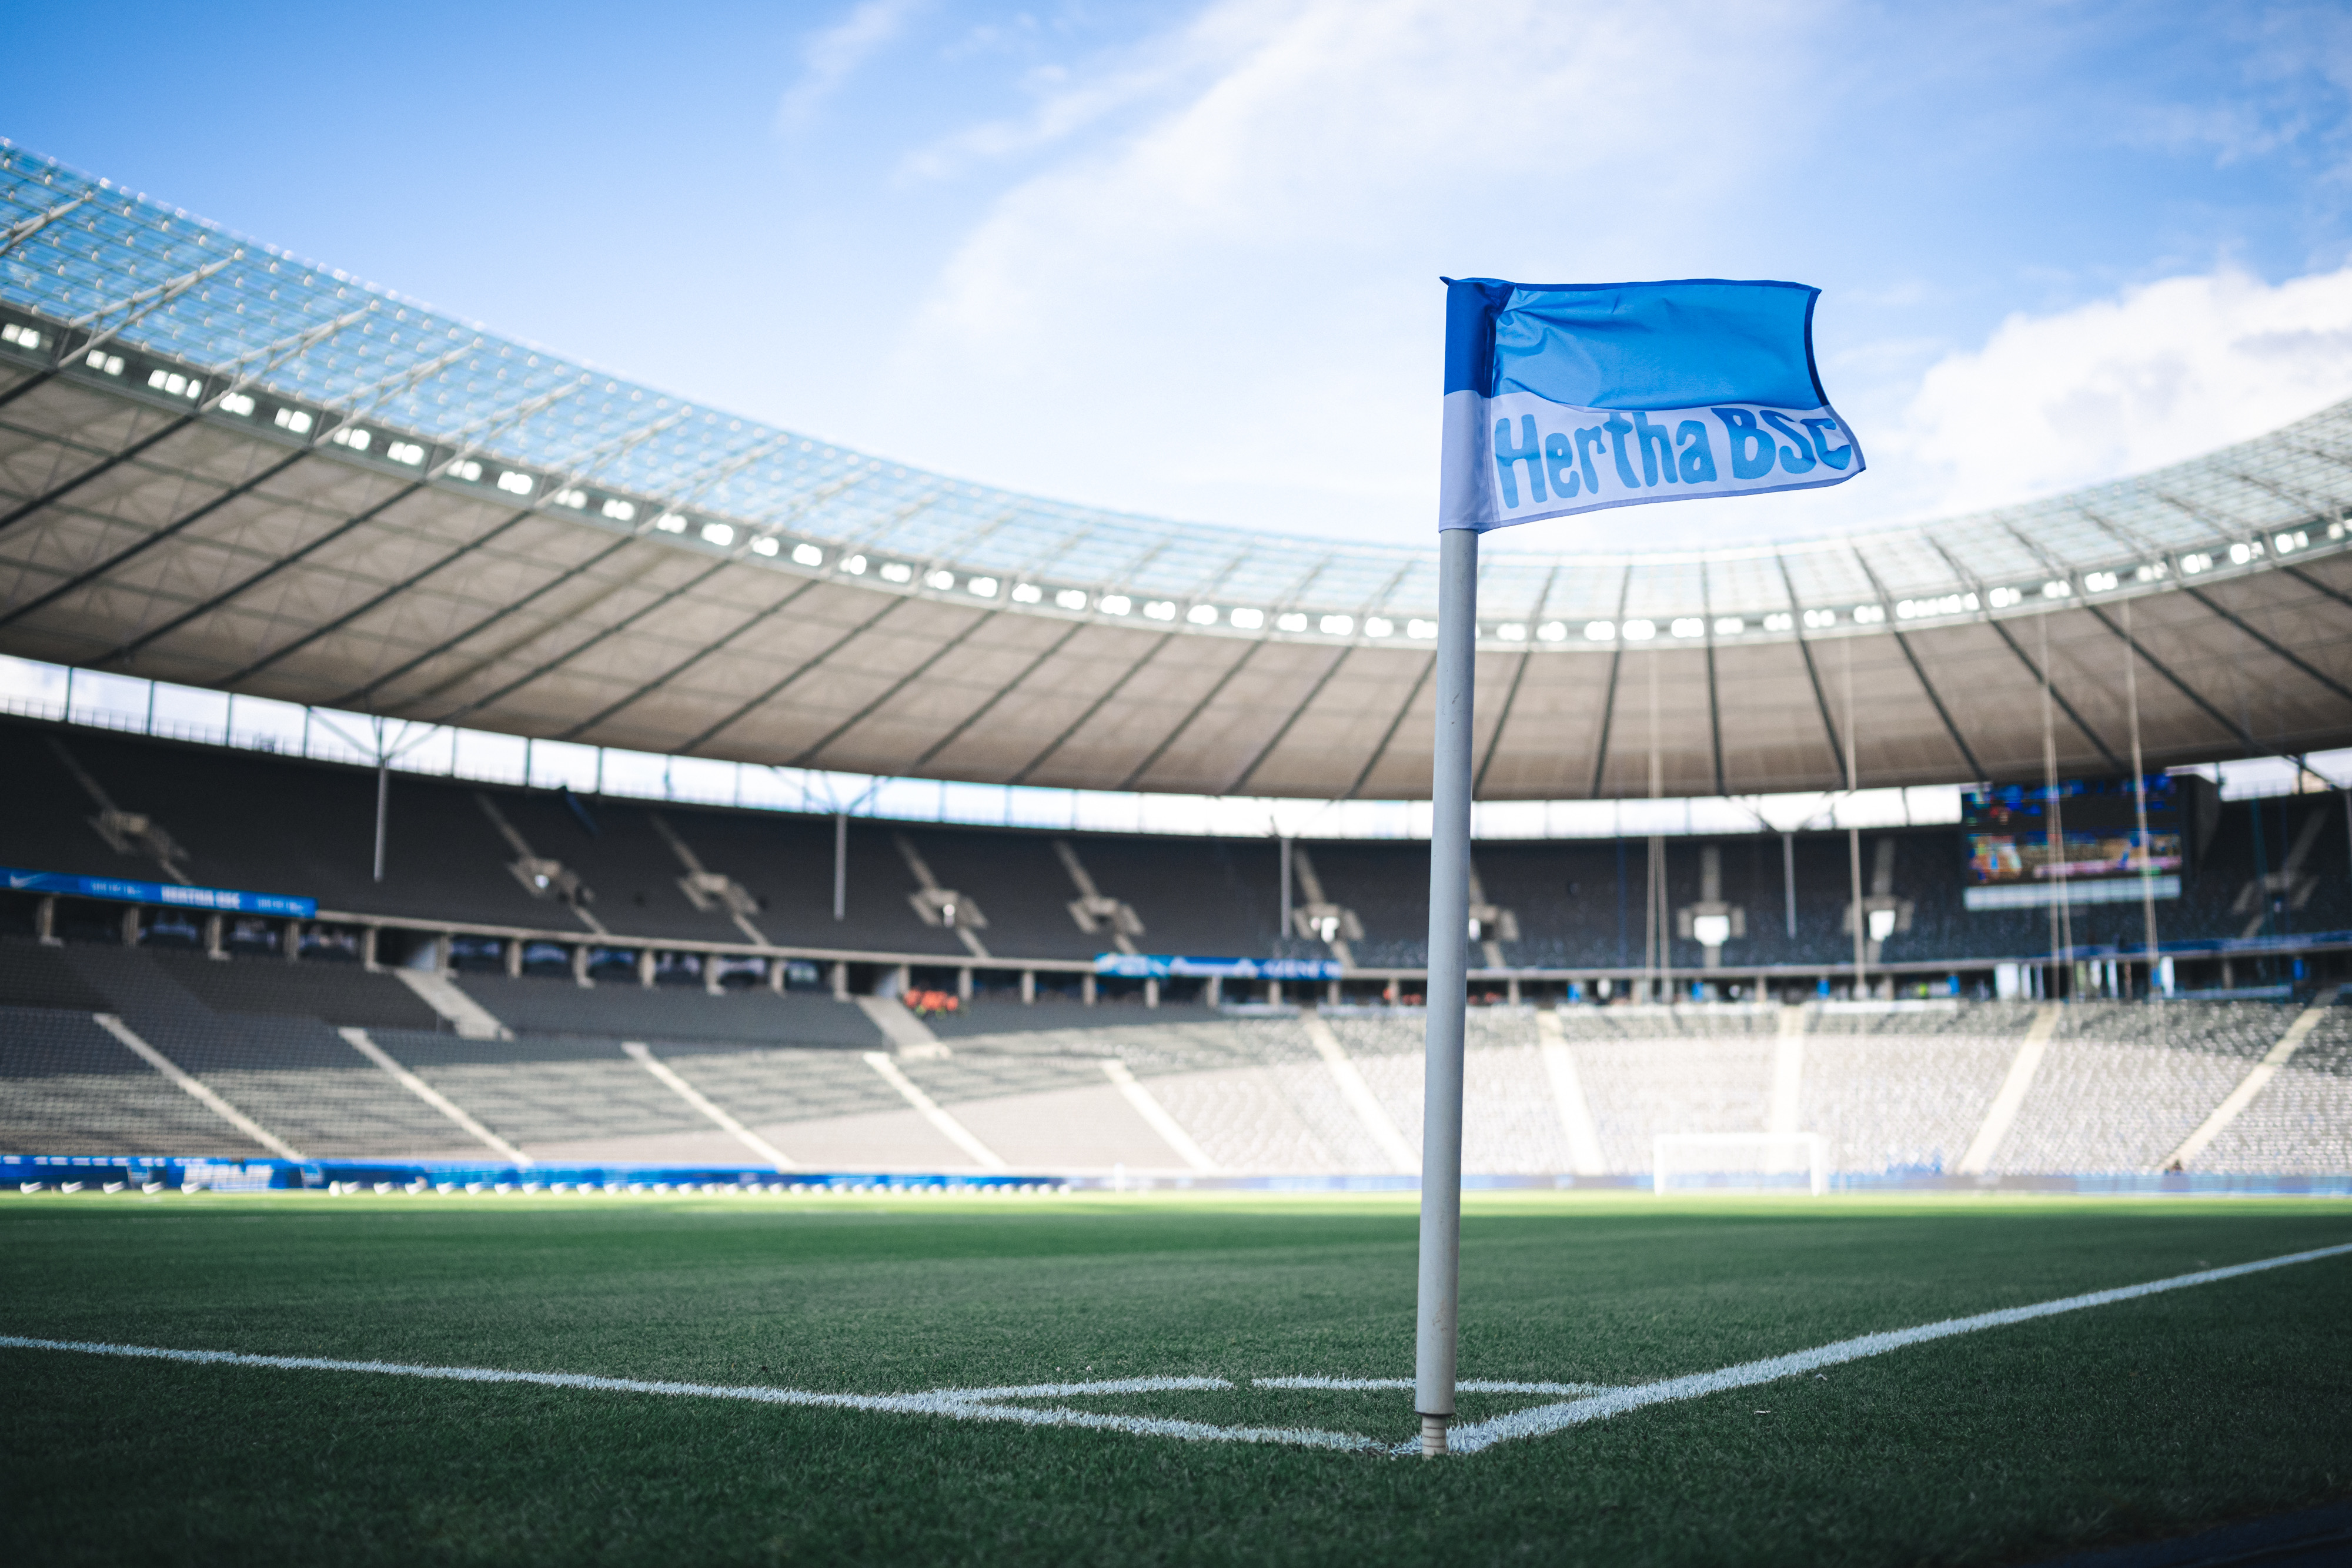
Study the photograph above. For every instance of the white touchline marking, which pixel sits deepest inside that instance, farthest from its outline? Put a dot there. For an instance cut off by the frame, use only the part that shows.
(1546, 1418)
(959, 1403)
(986, 1404)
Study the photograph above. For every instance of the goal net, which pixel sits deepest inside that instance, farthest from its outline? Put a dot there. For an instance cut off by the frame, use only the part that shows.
(1740, 1160)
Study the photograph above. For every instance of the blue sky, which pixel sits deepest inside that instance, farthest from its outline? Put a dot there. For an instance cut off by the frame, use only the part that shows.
(1182, 259)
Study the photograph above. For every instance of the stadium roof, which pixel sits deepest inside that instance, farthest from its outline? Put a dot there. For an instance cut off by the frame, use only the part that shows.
(224, 467)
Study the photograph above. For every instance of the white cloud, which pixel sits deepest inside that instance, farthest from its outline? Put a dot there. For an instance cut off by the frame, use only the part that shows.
(1159, 323)
(2160, 373)
(831, 57)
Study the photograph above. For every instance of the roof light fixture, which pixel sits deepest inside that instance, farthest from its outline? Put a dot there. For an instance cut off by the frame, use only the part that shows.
(512, 483)
(718, 534)
(1071, 598)
(2002, 598)
(295, 420)
(1729, 625)
(854, 565)
(466, 469)
(2287, 543)
(576, 499)
(942, 581)
(2055, 589)
(1425, 629)
(1601, 630)
(1160, 610)
(1200, 614)
(1249, 619)
(1817, 619)
(622, 511)
(1779, 620)
(2156, 571)
(235, 403)
(1113, 604)
(897, 571)
(1290, 620)
(1640, 631)
(410, 453)
(2199, 561)
(23, 337)
(669, 522)
(1509, 630)
(1379, 627)
(1869, 614)
(100, 361)
(1552, 632)
(982, 587)
(807, 555)
(767, 545)
(2099, 581)
(1341, 626)
(356, 439)
(1688, 626)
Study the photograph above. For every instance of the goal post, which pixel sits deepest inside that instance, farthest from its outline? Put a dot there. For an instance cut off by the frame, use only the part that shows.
(1750, 1159)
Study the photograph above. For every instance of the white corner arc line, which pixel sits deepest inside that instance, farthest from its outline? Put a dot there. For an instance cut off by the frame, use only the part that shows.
(199, 1089)
(2254, 1083)
(357, 1039)
(932, 1111)
(1148, 1106)
(1548, 1418)
(1466, 1386)
(1358, 1094)
(643, 1056)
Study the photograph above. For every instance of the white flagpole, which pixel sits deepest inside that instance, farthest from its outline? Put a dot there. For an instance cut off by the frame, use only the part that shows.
(1449, 963)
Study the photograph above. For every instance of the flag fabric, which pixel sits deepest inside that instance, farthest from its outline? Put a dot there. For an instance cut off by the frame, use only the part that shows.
(1574, 398)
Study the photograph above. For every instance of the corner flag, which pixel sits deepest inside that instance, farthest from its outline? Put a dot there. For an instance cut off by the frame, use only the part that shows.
(1562, 398)
(1565, 398)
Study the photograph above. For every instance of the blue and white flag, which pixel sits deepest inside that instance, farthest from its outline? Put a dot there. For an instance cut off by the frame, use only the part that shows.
(1572, 398)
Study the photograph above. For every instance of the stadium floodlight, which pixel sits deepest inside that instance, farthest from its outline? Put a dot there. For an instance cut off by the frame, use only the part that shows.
(1740, 1160)
(1115, 604)
(1076, 599)
(1729, 625)
(981, 587)
(1027, 594)
(1293, 621)
(1512, 631)
(807, 555)
(1639, 631)
(1417, 627)
(718, 534)
(1882, 925)
(1160, 610)
(1248, 619)
(897, 571)
(854, 565)
(1688, 626)
(1201, 615)
(2197, 562)
(1339, 625)
(767, 545)
(942, 581)
(512, 482)
(236, 403)
(1601, 630)
(1379, 627)
(1779, 620)
(1714, 930)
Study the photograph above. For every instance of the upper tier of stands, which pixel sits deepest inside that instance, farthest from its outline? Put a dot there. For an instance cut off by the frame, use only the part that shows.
(2271, 868)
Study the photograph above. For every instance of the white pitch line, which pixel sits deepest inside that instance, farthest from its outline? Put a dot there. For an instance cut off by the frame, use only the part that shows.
(1548, 1418)
(983, 1404)
(957, 1403)
(1466, 1385)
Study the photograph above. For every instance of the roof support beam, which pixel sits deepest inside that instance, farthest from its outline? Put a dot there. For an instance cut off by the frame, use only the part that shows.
(640, 692)
(1198, 708)
(1092, 708)
(2314, 584)
(1821, 697)
(1919, 669)
(1609, 701)
(147, 639)
(2059, 697)
(1305, 703)
(1428, 668)
(809, 754)
(999, 694)
(2325, 679)
(775, 688)
(2244, 736)
(140, 546)
(1495, 740)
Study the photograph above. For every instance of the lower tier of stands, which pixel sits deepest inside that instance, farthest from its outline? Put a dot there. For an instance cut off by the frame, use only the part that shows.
(109, 1050)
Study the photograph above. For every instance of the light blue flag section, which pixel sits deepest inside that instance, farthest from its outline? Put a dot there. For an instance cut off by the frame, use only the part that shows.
(1572, 398)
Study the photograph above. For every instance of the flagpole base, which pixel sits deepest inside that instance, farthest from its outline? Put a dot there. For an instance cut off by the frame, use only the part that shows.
(1433, 1436)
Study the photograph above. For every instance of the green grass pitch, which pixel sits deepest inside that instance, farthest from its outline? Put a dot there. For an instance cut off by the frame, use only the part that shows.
(2141, 1419)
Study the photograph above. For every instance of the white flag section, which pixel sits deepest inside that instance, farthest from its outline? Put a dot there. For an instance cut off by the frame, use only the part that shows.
(1566, 400)
(1562, 398)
